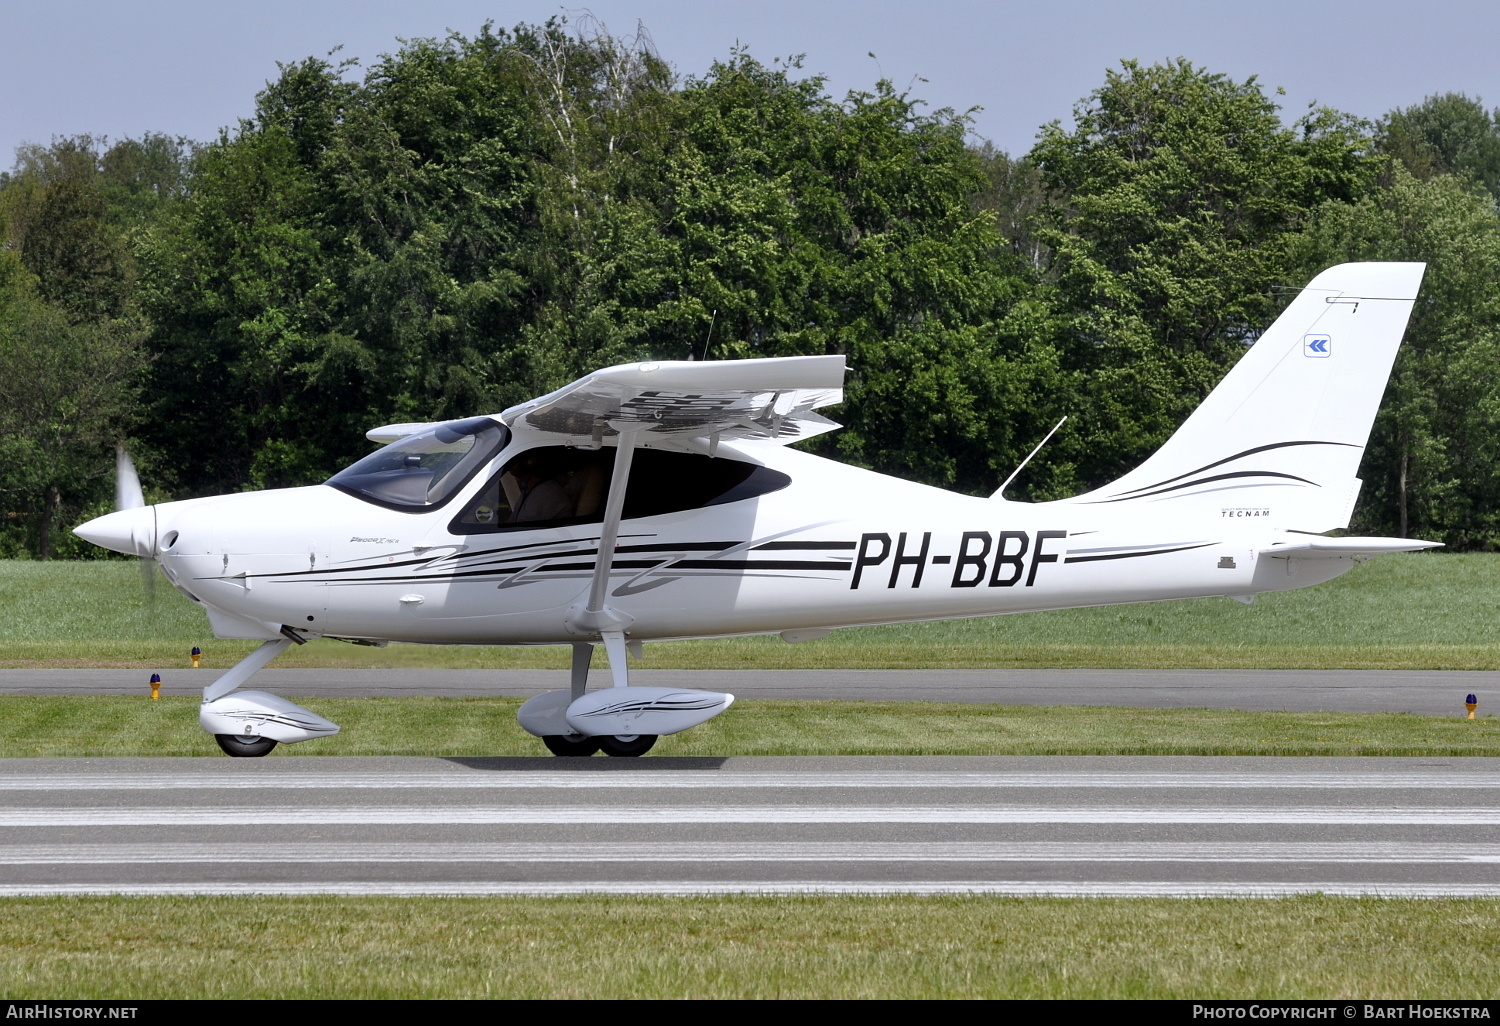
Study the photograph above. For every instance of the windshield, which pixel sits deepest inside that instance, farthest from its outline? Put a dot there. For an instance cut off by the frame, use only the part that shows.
(422, 471)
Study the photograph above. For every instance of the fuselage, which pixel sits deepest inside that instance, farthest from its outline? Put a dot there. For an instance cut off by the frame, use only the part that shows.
(487, 530)
(832, 546)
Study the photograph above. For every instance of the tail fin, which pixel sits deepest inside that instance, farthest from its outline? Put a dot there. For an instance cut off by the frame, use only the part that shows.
(1282, 434)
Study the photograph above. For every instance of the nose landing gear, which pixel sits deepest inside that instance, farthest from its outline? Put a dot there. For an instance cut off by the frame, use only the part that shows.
(249, 724)
(245, 747)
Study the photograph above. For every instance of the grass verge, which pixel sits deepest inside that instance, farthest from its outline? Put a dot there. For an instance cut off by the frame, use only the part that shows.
(787, 947)
(33, 726)
(1398, 612)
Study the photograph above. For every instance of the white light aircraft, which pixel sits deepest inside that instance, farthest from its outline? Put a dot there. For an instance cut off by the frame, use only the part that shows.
(657, 501)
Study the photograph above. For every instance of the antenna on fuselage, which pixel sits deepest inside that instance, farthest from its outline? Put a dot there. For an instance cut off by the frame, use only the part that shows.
(710, 336)
(1000, 492)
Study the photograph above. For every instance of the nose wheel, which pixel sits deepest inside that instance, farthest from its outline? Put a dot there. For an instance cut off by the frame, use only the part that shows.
(244, 747)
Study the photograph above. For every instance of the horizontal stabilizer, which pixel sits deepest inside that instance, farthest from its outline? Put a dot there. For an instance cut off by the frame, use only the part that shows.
(771, 400)
(1333, 548)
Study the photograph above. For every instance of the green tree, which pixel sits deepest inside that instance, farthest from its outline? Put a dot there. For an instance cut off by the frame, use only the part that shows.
(68, 393)
(480, 220)
(1433, 466)
(777, 221)
(54, 215)
(145, 179)
(347, 257)
(1446, 134)
(75, 213)
(1174, 200)
(72, 216)
(1015, 193)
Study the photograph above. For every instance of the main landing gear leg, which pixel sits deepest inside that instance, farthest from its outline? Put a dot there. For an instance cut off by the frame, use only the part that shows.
(594, 616)
(576, 744)
(252, 723)
(621, 745)
(583, 654)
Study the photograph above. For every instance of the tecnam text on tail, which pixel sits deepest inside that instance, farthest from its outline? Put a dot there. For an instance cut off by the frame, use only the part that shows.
(659, 501)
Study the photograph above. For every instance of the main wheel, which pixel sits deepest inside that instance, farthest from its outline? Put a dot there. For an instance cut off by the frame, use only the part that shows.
(626, 745)
(244, 747)
(562, 744)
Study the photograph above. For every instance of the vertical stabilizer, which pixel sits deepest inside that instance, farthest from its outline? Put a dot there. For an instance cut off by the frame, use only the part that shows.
(1279, 440)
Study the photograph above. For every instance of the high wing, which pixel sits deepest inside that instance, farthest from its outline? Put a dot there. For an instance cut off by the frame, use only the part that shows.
(769, 400)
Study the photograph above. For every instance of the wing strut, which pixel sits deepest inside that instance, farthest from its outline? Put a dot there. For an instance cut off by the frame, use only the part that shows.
(595, 615)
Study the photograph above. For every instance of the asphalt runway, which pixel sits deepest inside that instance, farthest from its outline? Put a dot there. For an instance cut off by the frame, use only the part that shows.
(1177, 826)
(1429, 692)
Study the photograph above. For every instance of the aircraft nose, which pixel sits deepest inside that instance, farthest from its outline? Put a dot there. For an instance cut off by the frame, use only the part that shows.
(131, 531)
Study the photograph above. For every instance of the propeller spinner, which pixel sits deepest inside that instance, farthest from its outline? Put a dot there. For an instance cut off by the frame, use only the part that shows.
(131, 528)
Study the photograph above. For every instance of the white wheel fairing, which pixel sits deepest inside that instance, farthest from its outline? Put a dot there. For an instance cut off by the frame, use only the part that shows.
(620, 712)
(250, 714)
(546, 715)
(630, 711)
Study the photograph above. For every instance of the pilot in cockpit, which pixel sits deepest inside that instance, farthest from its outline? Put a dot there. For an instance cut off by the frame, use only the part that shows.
(533, 498)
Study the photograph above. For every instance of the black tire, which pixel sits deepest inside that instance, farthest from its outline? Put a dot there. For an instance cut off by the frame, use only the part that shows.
(628, 747)
(561, 744)
(244, 747)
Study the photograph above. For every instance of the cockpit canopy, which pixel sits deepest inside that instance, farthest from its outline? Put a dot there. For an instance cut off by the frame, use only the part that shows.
(423, 471)
(559, 486)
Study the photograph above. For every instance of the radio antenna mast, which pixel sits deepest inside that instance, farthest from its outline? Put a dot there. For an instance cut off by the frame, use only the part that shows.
(709, 337)
(1000, 492)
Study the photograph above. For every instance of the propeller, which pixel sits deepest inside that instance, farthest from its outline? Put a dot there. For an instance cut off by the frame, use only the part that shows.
(128, 495)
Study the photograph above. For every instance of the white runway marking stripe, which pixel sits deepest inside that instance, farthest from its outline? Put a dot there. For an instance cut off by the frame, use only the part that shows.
(652, 889)
(426, 853)
(710, 779)
(570, 814)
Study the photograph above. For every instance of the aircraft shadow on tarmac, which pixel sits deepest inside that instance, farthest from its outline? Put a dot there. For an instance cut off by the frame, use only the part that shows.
(527, 764)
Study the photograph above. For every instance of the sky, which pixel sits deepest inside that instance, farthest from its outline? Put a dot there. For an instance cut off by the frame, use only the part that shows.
(120, 68)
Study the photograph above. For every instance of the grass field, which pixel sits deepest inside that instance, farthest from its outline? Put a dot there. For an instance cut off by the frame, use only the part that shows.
(807, 947)
(120, 726)
(1418, 611)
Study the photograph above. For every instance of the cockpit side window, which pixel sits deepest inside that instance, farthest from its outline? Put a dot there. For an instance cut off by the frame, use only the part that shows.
(554, 486)
(423, 471)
